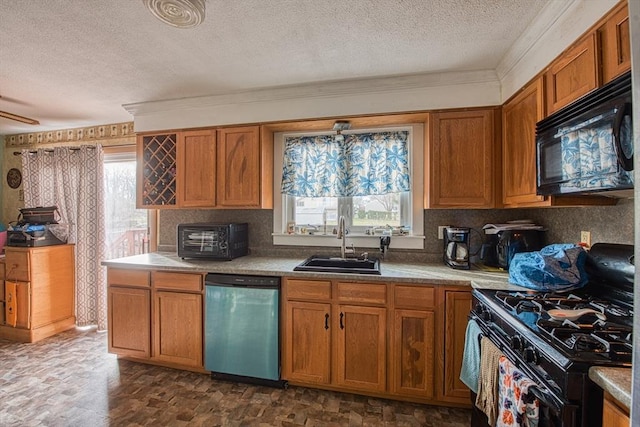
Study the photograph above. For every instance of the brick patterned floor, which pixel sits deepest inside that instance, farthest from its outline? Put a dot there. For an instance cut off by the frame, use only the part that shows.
(71, 380)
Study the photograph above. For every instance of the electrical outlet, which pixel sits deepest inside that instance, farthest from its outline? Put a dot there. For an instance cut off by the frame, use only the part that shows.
(585, 238)
(441, 231)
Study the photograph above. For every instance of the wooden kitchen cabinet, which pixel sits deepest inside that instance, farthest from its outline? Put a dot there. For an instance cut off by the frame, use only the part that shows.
(196, 160)
(461, 160)
(361, 347)
(209, 168)
(573, 74)
(413, 341)
(307, 344)
(457, 305)
(156, 316)
(613, 414)
(335, 334)
(39, 292)
(129, 312)
(615, 43)
(178, 318)
(177, 169)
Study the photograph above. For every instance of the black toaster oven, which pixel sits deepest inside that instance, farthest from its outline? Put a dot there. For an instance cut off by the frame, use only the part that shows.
(213, 241)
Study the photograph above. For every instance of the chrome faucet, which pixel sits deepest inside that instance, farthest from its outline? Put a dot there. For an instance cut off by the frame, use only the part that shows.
(342, 234)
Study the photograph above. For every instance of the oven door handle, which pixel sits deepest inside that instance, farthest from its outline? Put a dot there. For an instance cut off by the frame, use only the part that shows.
(545, 398)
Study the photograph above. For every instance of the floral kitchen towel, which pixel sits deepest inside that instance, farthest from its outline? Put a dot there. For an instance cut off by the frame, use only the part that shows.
(516, 406)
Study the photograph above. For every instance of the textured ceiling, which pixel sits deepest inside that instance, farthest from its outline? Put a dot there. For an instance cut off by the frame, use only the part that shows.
(73, 63)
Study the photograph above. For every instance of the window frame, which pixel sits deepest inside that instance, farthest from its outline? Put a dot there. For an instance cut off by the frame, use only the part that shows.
(128, 152)
(283, 203)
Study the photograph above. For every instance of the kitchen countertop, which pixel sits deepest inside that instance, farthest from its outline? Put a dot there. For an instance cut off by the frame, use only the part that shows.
(616, 381)
(433, 274)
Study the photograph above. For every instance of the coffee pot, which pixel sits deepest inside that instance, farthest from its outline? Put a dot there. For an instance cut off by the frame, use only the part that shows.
(456, 247)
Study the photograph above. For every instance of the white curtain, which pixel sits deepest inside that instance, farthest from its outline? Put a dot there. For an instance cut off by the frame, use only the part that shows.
(71, 178)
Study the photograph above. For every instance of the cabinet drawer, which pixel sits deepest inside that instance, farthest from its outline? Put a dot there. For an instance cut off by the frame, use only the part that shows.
(370, 293)
(138, 278)
(177, 281)
(308, 289)
(17, 265)
(416, 297)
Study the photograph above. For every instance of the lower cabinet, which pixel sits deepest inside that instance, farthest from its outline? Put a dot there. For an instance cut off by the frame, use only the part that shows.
(156, 316)
(457, 305)
(613, 415)
(376, 338)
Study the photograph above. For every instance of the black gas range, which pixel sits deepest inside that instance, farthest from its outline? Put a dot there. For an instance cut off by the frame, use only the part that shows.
(554, 338)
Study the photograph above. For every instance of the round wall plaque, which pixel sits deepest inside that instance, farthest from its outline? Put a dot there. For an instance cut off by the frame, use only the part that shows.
(14, 178)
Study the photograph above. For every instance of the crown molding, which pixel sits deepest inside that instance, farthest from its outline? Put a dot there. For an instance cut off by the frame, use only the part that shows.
(324, 90)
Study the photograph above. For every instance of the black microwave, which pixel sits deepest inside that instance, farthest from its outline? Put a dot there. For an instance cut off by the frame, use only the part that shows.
(587, 146)
(213, 241)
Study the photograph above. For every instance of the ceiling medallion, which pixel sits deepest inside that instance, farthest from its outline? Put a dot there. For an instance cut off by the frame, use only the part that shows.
(177, 13)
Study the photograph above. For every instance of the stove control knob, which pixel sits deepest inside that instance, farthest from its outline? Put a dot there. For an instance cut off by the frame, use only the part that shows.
(531, 355)
(516, 343)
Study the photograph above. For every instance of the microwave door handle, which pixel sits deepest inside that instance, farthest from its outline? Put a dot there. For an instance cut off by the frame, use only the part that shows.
(623, 110)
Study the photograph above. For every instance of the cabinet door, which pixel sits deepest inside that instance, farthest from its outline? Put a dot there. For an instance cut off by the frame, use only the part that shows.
(129, 316)
(361, 347)
(239, 167)
(157, 186)
(178, 328)
(573, 74)
(612, 414)
(520, 116)
(196, 159)
(616, 46)
(457, 308)
(461, 160)
(413, 358)
(18, 304)
(307, 342)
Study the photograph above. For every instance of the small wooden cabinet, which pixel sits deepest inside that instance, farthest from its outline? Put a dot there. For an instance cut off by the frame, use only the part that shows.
(615, 43)
(39, 292)
(461, 160)
(573, 74)
(457, 305)
(239, 181)
(613, 414)
(156, 316)
(196, 167)
(413, 341)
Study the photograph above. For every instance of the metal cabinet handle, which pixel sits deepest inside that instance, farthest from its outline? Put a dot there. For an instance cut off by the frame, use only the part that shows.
(341, 322)
(326, 321)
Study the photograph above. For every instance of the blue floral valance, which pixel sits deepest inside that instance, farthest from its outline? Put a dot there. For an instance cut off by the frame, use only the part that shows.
(361, 165)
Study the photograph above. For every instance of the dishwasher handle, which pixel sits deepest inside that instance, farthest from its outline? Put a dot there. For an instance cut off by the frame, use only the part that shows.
(244, 281)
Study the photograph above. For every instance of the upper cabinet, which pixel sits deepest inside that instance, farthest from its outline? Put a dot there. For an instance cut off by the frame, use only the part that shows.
(227, 168)
(245, 163)
(519, 117)
(615, 42)
(461, 159)
(573, 74)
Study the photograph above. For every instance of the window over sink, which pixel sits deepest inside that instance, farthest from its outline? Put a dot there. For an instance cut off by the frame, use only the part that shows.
(372, 201)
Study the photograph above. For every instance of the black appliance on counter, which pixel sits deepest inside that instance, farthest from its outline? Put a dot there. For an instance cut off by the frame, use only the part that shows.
(213, 241)
(587, 146)
(37, 227)
(456, 247)
(557, 353)
(502, 242)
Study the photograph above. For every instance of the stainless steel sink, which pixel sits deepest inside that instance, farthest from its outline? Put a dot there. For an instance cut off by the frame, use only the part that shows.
(339, 265)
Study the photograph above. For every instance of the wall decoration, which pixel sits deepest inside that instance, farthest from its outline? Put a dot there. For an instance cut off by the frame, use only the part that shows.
(14, 178)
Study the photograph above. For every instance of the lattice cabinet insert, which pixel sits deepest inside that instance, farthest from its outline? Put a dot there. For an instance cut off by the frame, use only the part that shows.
(159, 170)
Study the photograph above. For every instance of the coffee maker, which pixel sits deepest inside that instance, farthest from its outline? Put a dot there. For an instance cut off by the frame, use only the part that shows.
(456, 247)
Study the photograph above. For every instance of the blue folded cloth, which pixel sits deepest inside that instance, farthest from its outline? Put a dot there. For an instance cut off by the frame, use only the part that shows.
(555, 268)
(470, 371)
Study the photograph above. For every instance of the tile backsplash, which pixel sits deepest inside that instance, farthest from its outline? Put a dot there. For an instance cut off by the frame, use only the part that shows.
(612, 224)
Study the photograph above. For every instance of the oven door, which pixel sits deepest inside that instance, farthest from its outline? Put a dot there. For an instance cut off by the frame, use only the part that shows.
(555, 411)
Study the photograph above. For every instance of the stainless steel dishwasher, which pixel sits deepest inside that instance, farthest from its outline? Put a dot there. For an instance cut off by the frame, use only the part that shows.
(242, 328)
